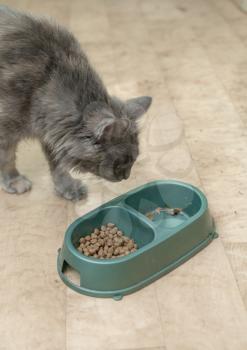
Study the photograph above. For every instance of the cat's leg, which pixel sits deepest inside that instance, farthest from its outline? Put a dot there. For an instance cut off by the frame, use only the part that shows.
(65, 185)
(11, 180)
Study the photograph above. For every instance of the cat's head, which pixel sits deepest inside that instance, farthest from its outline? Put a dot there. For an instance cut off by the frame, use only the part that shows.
(111, 137)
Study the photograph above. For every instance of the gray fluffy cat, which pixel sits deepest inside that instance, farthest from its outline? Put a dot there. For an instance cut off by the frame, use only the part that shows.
(49, 91)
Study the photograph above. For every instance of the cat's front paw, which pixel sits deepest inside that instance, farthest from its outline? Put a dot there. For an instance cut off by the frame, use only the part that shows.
(18, 184)
(73, 191)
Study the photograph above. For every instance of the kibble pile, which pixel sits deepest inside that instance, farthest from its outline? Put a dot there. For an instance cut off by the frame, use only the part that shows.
(106, 242)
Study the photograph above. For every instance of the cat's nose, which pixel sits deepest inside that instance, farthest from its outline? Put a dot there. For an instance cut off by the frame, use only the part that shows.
(126, 174)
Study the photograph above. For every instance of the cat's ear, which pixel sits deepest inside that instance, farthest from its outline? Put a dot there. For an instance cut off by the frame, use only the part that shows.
(136, 107)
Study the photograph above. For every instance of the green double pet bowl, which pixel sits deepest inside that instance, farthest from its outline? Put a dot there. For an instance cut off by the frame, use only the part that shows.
(164, 242)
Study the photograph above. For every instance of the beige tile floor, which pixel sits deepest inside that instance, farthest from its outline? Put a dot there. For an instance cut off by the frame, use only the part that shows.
(192, 58)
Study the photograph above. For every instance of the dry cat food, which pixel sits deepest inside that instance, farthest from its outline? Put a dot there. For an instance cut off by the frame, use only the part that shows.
(106, 242)
(171, 211)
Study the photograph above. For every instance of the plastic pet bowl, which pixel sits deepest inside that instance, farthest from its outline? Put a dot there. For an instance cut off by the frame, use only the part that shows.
(164, 242)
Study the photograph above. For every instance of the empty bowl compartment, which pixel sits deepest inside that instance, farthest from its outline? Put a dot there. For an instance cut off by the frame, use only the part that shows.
(166, 196)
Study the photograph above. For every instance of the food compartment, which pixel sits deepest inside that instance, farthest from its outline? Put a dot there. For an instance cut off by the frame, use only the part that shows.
(127, 221)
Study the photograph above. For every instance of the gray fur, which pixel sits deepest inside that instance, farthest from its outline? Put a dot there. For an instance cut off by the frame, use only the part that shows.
(48, 90)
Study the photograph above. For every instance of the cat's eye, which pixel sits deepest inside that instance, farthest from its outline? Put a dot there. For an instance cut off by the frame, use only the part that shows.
(97, 142)
(127, 160)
